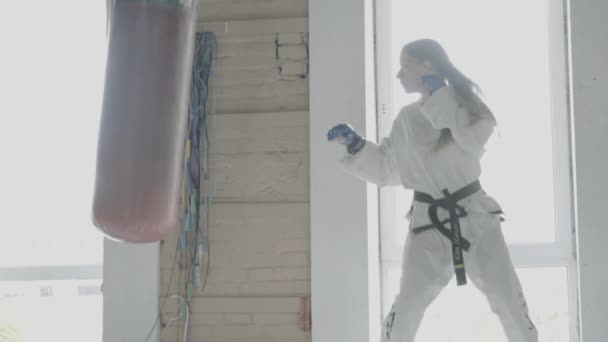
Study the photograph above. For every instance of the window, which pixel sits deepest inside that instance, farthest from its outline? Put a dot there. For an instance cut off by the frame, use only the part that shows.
(516, 51)
(50, 254)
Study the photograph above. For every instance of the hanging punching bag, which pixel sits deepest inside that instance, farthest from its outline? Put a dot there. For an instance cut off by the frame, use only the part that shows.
(143, 121)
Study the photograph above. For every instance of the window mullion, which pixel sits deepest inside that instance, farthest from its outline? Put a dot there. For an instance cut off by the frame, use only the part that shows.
(51, 273)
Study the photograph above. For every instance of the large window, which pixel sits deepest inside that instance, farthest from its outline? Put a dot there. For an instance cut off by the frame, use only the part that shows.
(516, 51)
(52, 67)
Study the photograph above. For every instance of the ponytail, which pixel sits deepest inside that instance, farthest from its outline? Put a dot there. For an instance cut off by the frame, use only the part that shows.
(467, 91)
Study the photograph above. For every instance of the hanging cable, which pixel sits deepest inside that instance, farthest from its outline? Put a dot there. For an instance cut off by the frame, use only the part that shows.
(198, 186)
(197, 189)
(198, 166)
(162, 306)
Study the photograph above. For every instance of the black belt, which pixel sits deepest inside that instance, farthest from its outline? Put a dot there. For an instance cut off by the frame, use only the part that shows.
(450, 203)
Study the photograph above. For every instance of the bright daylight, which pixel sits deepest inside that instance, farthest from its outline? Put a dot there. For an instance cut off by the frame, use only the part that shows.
(498, 65)
(50, 254)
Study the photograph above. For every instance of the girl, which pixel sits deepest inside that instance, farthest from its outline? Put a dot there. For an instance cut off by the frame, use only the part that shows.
(434, 148)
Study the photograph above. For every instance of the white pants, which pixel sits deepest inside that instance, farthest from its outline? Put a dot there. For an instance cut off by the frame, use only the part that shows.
(428, 268)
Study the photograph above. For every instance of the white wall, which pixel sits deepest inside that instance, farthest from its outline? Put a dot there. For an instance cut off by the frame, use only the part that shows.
(344, 218)
(130, 291)
(590, 108)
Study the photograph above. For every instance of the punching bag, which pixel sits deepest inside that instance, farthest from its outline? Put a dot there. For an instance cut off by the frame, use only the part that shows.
(143, 120)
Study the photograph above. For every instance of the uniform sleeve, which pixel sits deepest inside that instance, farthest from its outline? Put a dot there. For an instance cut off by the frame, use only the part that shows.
(444, 111)
(374, 163)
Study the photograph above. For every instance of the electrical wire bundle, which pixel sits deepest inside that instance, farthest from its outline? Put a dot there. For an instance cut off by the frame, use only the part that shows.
(197, 189)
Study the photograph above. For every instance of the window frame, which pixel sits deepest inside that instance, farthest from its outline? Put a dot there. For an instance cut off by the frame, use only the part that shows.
(35, 273)
(562, 252)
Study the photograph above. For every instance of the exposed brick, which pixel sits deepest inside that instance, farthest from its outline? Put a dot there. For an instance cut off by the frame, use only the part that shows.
(293, 245)
(238, 331)
(223, 274)
(257, 274)
(295, 259)
(293, 68)
(278, 288)
(276, 319)
(170, 332)
(279, 273)
(246, 305)
(286, 331)
(207, 319)
(237, 319)
(290, 38)
(293, 52)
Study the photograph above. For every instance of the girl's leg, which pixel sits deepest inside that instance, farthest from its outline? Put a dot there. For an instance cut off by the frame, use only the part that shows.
(489, 267)
(426, 270)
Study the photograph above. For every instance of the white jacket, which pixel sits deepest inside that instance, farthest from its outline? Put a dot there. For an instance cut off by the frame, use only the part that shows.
(409, 157)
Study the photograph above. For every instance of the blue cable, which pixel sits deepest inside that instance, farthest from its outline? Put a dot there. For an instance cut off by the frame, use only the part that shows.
(191, 236)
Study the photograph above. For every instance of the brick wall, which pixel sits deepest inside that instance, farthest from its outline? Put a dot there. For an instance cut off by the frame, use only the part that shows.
(259, 230)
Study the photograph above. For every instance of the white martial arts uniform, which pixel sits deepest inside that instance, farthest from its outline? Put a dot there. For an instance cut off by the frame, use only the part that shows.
(409, 157)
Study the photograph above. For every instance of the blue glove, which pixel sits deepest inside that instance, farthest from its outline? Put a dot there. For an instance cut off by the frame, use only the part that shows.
(343, 133)
(346, 135)
(433, 82)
